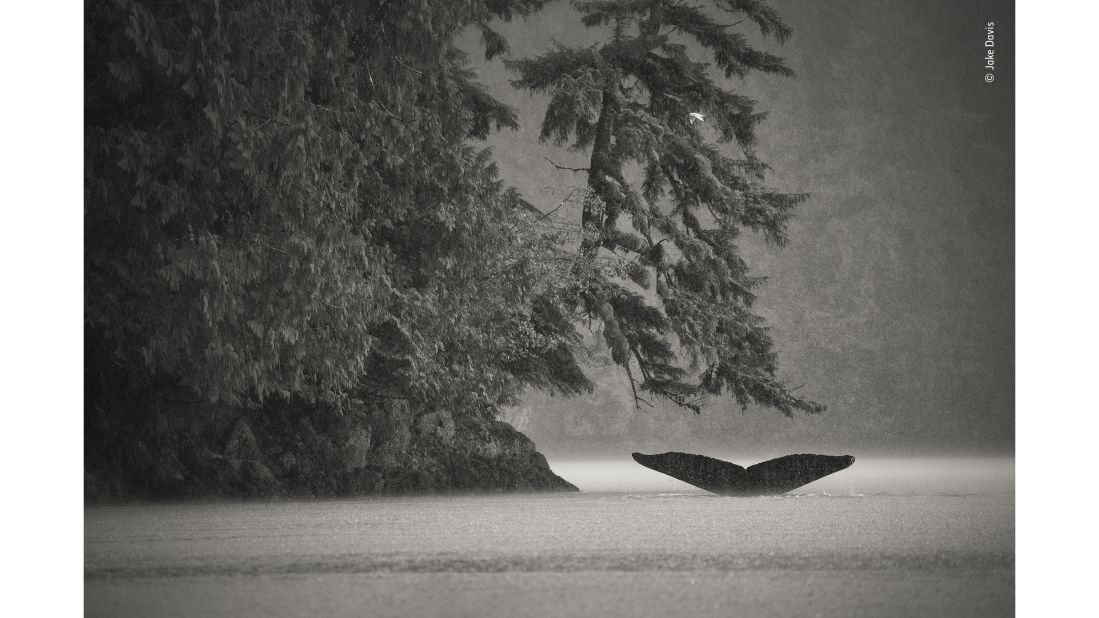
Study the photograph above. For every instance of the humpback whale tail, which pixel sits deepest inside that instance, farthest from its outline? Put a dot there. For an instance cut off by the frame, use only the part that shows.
(774, 476)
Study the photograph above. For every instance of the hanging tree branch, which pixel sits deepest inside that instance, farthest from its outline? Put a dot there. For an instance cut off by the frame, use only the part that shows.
(568, 169)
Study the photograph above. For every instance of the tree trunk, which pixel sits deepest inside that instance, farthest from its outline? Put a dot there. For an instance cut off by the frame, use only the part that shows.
(602, 206)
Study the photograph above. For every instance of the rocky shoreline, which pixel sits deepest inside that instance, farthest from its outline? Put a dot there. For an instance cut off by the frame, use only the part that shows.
(196, 451)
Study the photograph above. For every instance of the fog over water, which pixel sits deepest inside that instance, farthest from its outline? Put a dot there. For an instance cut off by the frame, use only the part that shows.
(868, 475)
(897, 537)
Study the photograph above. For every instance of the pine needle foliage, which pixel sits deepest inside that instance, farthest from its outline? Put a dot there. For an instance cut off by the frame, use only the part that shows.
(629, 100)
(282, 200)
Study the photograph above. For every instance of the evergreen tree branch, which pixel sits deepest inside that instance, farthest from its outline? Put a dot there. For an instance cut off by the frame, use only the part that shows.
(565, 168)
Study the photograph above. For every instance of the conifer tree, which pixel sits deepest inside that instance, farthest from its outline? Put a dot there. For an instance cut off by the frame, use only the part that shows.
(641, 100)
(282, 200)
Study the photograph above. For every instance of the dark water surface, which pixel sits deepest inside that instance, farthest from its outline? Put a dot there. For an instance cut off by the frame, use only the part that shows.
(887, 537)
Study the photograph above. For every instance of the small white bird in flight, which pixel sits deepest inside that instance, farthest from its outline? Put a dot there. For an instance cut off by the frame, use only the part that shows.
(696, 116)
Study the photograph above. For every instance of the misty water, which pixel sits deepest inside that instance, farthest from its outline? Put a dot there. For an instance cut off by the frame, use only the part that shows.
(897, 537)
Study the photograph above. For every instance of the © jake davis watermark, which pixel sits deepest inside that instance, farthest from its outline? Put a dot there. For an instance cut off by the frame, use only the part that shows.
(990, 52)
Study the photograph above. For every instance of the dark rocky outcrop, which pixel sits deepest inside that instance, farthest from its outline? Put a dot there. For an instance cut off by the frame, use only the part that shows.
(774, 476)
(191, 450)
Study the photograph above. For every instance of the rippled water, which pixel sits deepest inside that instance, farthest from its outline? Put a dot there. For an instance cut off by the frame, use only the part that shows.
(885, 537)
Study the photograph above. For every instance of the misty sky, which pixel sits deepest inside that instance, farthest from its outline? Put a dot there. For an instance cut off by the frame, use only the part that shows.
(893, 302)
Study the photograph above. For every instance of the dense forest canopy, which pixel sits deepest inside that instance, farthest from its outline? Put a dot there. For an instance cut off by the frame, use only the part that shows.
(287, 200)
(283, 200)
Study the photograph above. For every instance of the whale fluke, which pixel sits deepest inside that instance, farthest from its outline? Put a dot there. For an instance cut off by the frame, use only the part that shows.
(774, 476)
